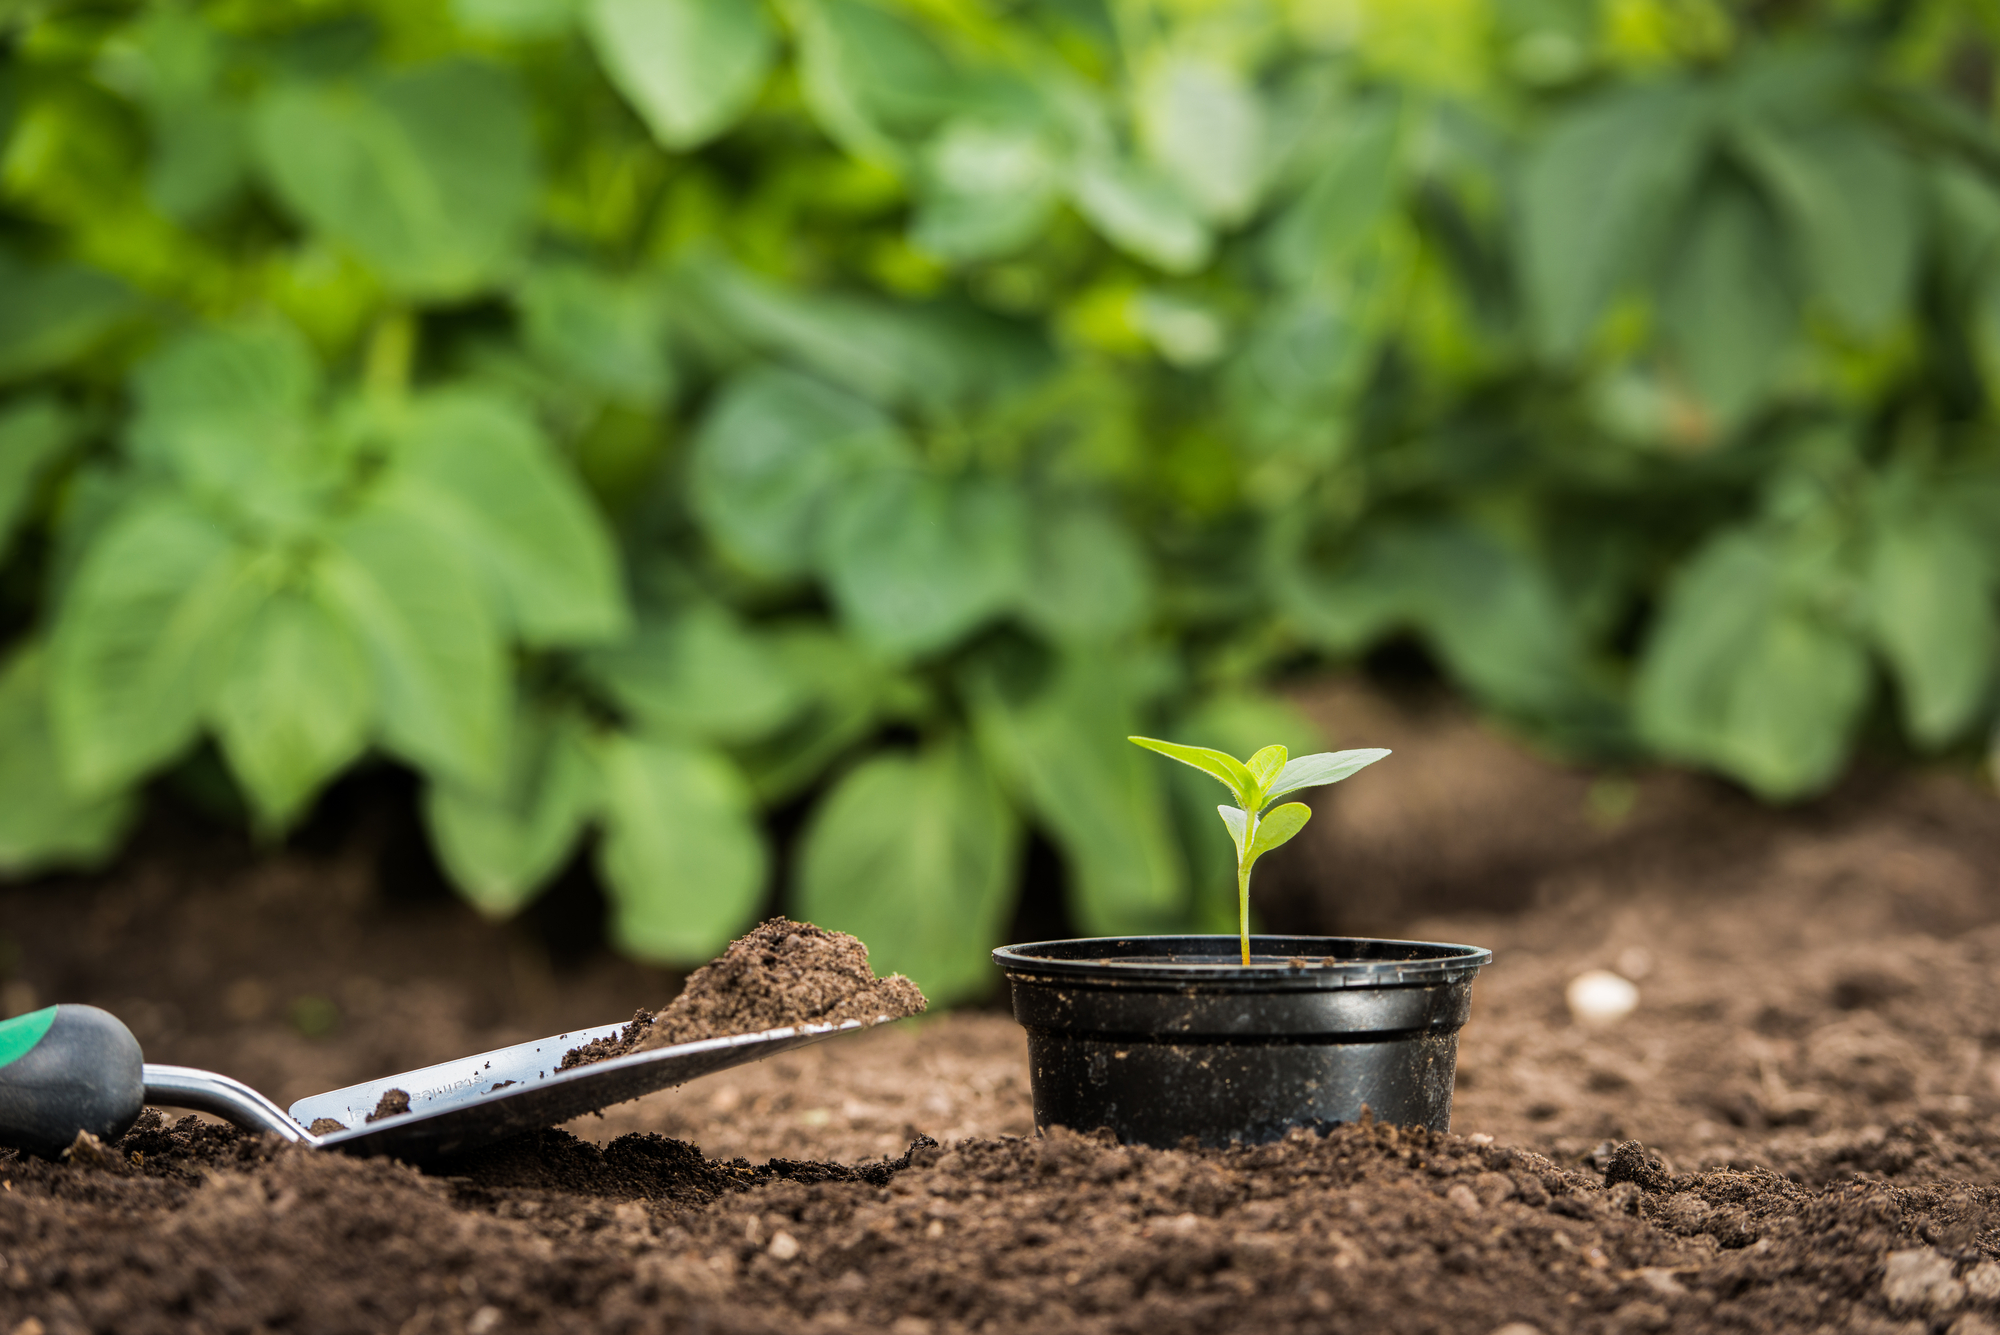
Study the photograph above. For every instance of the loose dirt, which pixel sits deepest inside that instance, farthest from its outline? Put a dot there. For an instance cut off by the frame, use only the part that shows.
(781, 973)
(1365, 1228)
(393, 1103)
(1798, 1128)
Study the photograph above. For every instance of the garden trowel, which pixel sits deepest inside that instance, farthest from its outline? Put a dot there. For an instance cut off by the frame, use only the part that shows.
(65, 1069)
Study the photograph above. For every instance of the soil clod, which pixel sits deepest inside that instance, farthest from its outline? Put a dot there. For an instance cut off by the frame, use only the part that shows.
(393, 1103)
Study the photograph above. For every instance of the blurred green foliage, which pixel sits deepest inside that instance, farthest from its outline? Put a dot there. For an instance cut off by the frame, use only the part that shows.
(633, 414)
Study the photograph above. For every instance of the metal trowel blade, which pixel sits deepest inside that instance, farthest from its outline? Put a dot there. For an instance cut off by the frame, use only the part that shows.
(473, 1101)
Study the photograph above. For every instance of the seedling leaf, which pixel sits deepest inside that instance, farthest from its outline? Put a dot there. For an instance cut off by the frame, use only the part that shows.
(1317, 770)
(1220, 764)
(1277, 825)
(1238, 822)
(1266, 765)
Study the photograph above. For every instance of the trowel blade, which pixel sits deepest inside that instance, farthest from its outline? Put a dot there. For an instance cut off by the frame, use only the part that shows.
(474, 1101)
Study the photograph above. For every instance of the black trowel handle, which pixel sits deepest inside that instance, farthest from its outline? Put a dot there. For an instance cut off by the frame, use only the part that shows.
(65, 1069)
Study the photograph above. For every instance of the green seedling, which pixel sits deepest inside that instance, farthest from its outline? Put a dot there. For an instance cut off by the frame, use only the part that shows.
(1256, 825)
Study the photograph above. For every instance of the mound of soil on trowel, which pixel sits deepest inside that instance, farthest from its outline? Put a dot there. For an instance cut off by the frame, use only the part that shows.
(781, 973)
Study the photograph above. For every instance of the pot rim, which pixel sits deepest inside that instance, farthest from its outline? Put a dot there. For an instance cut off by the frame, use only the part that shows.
(1394, 963)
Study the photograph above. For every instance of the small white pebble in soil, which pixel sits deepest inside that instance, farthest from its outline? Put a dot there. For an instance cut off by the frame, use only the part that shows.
(783, 1246)
(1921, 1278)
(484, 1321)
(1600, 997)
(1517, 1328)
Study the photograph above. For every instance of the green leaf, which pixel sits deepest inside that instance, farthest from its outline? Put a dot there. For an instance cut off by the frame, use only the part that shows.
(427, 173)
(1489, 609)
(1142, 213)
(1277, 826)
(43, 824)
(35, 432)
(1930, 610)
(771, 453)
(401, 580)
(54, 314)
(1265, 765)
(226, 411)
(700, 673)
(890, 353)
(915, 855)
(1238, 822)
(483, 473)
(682, 859)
(518, 20)
(691, 68)
(915, 562)
(598, 331)
(1738, 673)
(173, 63)
(1852, 201)
(846, 689)
(132, 656)
(989, 189)
(869, 75)
(1059, 751)
(1088, 578)
(1318, 234)
(200, 158)
(1595, 194)
(293, 704)
(499, 848)
(1967, 209)
(1729, 309)
(1319, 770)
(1233, 773)
(1202, 123)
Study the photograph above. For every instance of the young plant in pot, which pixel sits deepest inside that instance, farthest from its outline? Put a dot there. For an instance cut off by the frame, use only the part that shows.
(1241, 1038)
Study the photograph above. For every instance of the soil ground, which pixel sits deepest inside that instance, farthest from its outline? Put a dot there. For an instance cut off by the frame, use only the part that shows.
(1797, 1129)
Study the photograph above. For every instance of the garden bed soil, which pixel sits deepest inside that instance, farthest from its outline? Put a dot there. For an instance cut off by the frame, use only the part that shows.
(778, 974)
(1797, 1129)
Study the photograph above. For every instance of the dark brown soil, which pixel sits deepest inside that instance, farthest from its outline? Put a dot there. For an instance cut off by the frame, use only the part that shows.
(1813, 1070)
(778, 974)
(393, 1103)
(1367, 1228)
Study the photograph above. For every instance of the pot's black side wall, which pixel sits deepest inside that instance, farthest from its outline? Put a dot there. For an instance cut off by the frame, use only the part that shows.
(1159, 1039)
(1221, 1090)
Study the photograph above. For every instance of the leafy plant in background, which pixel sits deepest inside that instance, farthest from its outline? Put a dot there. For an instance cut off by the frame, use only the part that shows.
(1255, 826)
(638, 415)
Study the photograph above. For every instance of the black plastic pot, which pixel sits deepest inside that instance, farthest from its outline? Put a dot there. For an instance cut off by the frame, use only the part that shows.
(1164, 1037)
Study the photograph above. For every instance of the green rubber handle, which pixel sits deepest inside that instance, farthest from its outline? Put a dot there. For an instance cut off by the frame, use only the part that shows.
(65, 1069)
